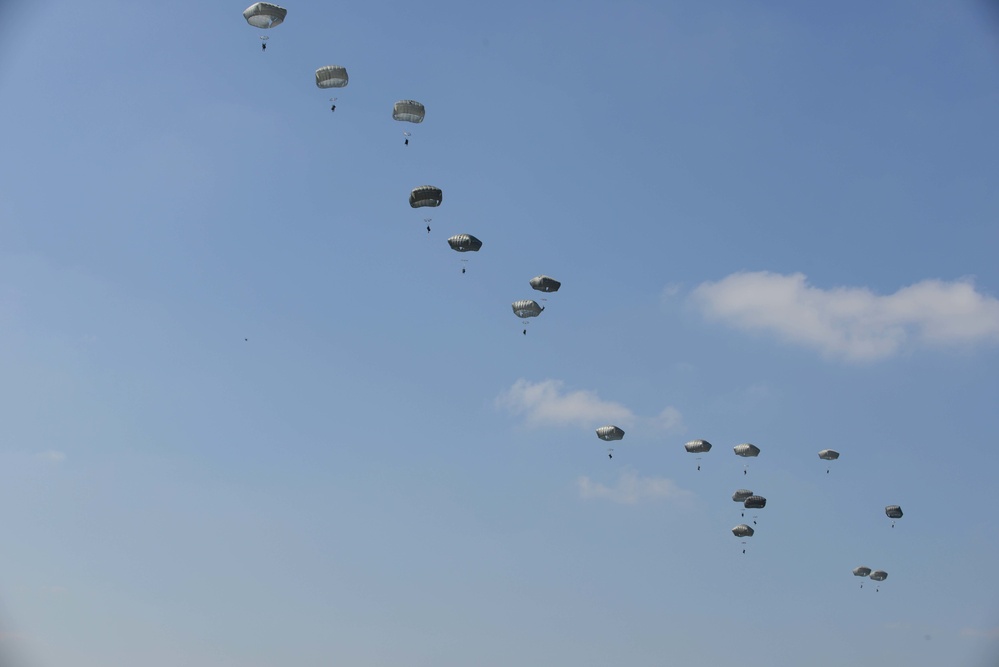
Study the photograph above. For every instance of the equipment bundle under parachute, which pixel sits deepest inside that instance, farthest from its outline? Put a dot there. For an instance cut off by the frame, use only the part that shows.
(264, 15)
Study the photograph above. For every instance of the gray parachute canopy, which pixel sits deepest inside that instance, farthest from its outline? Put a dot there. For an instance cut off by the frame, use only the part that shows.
(610, 432)
(426, 195)
(740, 495)
(893, 511)
(264, 15)
(742, 530)
(754, 502)
(526, 308)
(331, 76)
(746, 449)
(879, 575)
(464, 243)
(545, 284)
(829, 454)
(861, 571)
(410, 111)
(698, 446)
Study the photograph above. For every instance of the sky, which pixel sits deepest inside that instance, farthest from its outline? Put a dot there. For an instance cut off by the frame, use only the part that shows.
(255, 414)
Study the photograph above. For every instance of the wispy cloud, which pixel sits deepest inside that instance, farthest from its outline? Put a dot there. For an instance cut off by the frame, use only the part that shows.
(852, 323)
(52, 456)
(981, 634)
(547, 403)
(632, 489)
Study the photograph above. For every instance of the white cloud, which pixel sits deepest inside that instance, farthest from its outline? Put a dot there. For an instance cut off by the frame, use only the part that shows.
(632, 489)
(851, 322)
(546, 403)
(52, 456)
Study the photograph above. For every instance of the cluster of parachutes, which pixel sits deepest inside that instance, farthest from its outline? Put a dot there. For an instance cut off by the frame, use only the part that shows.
(265, 16)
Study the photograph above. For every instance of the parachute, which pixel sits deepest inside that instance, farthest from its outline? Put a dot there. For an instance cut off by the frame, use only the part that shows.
(740, 495)
(609, 432)
(879, 575)
(746, 449)
(545, 284)
(264, 15)
(861, 571)
(754, 502)
(331, 76)
(828, 455)
(527, 308)
(409, 111)
(464, 243)
(698, 446)
(425, 195)
(893, 512)
(742, 530)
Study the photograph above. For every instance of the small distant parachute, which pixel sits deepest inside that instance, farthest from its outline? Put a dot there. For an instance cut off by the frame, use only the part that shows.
(893, 512)
(746, 449)
(426, 195)
(828, 455)
(527, 308)
(879, 575)
(741, 494)
(610, 432)
(754, 502)
(464, 243)
(861, 572)
(264, 15)
(331, 76)
(409, 111)
(545, 284)
(742, 530)
(698, 446)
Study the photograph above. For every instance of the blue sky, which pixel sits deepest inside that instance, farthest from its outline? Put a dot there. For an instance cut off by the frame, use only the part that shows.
(254, 414)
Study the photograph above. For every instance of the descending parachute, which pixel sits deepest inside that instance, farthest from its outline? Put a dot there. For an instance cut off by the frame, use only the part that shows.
(861, 572)
(754, 502)
(526, 308)
(698, 446)
(409, 111)
(545, 284)
(425, 195)
(331, 76)
(829, 455)
(610, 432)
(741, 494)
(893, 512)
(878, 575)
(464, 243)
(746, 449)
(743, 531)
(264, 15)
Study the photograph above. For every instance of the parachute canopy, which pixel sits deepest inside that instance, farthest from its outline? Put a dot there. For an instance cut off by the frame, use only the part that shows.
(861, 571)
(754, 502)
(464, 243)
(609, 432)
(879, 575)
(741, 495)
(742, 530)
(698, 446)
(545, 284)
(893, 511)
(331, 76)
(425, 195)
(410, 111)
(746, 449)
(829, 454)
(527, 308)
(264, 15)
